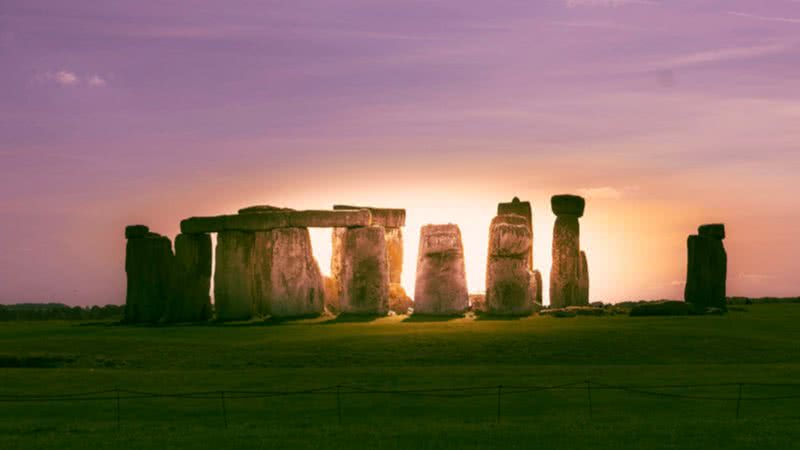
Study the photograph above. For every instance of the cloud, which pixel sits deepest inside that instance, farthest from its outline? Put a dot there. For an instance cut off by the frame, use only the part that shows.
(719, 55)
(62, 77)
(766, 18)
(96, 81)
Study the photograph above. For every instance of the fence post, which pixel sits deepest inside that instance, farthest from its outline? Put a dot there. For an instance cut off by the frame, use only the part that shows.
(224, 409)
(589, 394)
(739, 401)
(118, 419)
(339, 403)
(499, 395)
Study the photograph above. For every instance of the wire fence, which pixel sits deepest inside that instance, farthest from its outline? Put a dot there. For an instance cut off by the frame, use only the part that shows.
(341, 392)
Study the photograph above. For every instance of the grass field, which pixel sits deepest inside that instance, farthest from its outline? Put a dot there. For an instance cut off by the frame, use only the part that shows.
(752, 344)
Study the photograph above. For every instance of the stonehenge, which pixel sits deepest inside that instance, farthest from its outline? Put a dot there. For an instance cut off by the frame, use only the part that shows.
(263, 265)
(510, 283)
(569, 274)
(707, 268)
(441, 283)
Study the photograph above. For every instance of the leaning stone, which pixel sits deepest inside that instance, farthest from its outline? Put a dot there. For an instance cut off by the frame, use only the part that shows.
(716, 230)
(583, 282)
(568, 205)
(234, 277)
(136, 231)
(148, 265)
(287, 280)
(537, 276)
(441, 285)
(364, 275)
(385, 217)
(190, 300)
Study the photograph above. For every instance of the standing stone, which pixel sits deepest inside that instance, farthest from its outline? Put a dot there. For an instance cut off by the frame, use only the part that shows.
(583, 281)
(363, 274)
(148, 265)
(287, 281)
(537, 276)
(190, 300)
(233, 278)
(707, 270)
(564, 285)
(519, 208)
(510, 284)
(441, 286)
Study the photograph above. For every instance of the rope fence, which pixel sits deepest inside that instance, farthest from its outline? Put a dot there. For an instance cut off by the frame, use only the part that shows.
(340, 391)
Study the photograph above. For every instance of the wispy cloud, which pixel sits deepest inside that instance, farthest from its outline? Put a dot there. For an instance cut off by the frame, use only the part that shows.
(720, 55)
(96, 81)
(766, 18)
(62, 77)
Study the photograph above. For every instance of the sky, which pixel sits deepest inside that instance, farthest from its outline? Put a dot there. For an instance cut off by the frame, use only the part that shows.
(663, 114)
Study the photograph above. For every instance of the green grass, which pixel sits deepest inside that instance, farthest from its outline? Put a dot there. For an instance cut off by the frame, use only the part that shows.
(758, 343)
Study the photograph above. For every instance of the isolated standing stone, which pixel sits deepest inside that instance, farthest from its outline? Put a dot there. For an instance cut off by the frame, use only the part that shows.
(537, 276)
(363, 274)
(441, 285)
(707, 269)
(234, 276)
(191, 284)
(287, 281)
(564, 286)
(510, 284)
(148, 265)
(519, 208)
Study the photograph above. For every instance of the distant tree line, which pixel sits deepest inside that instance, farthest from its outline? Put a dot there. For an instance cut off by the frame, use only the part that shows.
(59, 311)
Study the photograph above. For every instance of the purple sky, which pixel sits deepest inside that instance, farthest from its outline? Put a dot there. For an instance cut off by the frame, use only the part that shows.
(664, 114)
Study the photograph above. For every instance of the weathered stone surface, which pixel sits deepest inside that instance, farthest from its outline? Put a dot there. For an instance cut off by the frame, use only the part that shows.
(136, 231)
(287, 281)
(385, 217)
(509, 240)
(271, 219)
(148, 265)
(583, 282)
(441, 285)
(363, 274)
(714, 230)
(234, 277)
(707, 272)
(568, 205)
(522, 209)
(399, 301)
(394, 252)
(190, 300)
(337, 252)
(566, 262)
(510, 284)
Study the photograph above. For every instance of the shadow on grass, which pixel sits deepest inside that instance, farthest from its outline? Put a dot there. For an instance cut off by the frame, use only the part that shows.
(353, 318)
(420, 318)
(488, 317)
